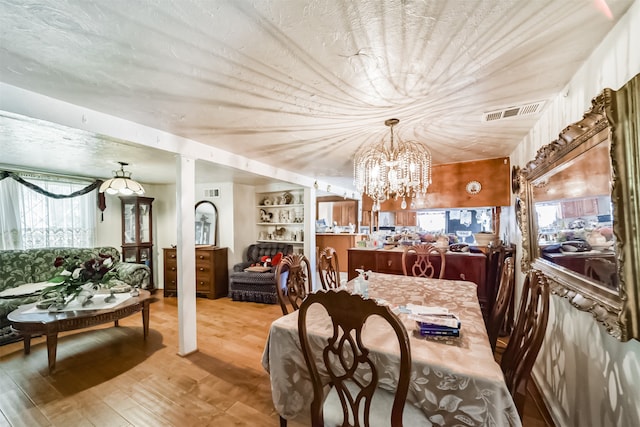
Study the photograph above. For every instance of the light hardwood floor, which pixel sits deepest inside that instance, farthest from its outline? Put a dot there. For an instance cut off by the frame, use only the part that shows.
(109, 376)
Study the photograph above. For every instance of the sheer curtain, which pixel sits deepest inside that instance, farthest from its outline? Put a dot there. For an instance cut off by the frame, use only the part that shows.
(10, 234)
(32, 220)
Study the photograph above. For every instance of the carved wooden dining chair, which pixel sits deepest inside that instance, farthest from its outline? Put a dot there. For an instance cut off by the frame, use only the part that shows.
(293, 281)
(354, 398)
(527, 336)
(328, 268)
(500, 305)
(423, 267)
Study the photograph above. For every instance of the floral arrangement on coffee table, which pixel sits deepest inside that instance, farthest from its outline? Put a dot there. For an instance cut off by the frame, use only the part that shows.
(76, 279)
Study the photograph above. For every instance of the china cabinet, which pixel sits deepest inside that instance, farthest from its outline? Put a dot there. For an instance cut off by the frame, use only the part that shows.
(280, 217)
(212, 274)
(137, 231)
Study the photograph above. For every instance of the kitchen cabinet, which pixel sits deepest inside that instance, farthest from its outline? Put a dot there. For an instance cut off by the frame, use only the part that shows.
(345, 213)
(578, 208)
(406, 219)
(212, 272)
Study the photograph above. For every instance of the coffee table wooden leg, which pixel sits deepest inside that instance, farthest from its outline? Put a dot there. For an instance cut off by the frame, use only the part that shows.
(27, 343)
(52, 346)
(145, 319)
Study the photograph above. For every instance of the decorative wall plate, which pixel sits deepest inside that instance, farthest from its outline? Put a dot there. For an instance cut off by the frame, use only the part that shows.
(473, 187)
(515, 180)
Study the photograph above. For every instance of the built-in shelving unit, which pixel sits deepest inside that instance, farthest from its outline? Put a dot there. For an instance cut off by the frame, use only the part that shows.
(280, 216)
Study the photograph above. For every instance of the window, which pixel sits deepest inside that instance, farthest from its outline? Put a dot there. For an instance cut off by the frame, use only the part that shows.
(434, 222)
(30, 220)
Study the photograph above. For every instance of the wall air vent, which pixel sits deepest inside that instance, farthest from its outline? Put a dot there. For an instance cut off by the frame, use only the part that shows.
(212, 192)
(516, 111)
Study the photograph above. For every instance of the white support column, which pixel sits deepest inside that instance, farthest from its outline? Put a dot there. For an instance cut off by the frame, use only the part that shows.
(310, 196)
(186, 257)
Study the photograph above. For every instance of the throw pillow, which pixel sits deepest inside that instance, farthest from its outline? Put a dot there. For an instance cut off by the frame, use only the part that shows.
(275, 260)
(271, 261)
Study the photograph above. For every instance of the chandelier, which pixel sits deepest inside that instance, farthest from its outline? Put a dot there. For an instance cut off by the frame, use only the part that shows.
(402, 169)
(121, 183)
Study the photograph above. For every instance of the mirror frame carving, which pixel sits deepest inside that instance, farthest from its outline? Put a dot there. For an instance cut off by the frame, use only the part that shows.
(618, 114)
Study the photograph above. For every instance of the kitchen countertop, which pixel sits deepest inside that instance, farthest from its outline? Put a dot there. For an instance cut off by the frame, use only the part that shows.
(339, 234)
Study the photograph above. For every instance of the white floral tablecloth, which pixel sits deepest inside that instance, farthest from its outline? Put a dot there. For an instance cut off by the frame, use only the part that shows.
(456, 381)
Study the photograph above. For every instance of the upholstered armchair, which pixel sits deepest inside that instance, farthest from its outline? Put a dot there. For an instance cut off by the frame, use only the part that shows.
(256, 286)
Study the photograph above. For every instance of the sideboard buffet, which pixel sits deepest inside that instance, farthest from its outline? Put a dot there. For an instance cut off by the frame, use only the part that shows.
(459, 266)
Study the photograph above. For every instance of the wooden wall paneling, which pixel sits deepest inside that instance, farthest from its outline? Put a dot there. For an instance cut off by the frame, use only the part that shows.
(448, 189)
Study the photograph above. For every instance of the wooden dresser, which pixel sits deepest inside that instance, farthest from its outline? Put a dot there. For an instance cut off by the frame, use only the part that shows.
(212, 272)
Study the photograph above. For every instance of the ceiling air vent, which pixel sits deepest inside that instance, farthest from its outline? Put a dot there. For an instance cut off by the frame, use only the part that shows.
(212, 192)
(520, 110)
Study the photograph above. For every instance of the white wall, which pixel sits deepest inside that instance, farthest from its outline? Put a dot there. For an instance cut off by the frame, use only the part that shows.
(588, 377)
(244, 221)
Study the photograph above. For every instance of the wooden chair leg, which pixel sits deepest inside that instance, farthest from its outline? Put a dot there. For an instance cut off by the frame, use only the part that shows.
(283, 422)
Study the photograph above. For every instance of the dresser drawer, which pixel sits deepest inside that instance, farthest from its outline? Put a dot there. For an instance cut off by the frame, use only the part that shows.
(203, 284)
(170, 281)
(203, 256)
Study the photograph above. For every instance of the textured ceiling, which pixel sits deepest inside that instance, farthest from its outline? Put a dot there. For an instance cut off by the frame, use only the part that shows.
(302, 84)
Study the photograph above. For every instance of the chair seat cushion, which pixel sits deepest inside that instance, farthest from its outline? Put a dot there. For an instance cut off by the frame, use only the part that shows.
(380, 414)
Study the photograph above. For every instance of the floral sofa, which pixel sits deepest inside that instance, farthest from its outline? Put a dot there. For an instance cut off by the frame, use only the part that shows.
(19, 267)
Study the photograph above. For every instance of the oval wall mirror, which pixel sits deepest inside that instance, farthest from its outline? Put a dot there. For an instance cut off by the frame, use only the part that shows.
(206, 223)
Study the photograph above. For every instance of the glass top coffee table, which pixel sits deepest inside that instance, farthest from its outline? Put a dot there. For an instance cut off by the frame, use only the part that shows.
(30, 322)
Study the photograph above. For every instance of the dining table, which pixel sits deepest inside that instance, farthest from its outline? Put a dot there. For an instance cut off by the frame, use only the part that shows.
(454, 380)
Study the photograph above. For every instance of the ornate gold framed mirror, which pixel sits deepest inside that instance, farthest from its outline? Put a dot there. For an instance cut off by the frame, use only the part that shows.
(579, 211)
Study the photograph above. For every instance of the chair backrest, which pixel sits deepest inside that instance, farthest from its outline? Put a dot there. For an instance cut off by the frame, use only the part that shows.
(348, 315)
(293, 281)
(527, 336)
(601, 269)
(500, 305)
(423, 267)
(328, 268)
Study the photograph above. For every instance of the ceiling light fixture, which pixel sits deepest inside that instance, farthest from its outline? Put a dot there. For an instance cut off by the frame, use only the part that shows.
(121, 183)
(400, 170)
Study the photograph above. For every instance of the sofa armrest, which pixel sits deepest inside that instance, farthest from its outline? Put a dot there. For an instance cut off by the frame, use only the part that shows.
(241, 266)
(134, 274)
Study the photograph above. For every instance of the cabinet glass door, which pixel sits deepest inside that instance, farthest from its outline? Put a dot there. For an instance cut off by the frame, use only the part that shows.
(145, 235)
(129, 215)
(130, 254)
